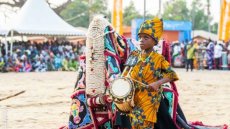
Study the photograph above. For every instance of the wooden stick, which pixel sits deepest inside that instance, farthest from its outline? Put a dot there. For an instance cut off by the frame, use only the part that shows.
(10, 96)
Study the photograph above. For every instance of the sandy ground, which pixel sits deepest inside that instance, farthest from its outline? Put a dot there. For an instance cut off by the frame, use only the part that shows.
(204, 96)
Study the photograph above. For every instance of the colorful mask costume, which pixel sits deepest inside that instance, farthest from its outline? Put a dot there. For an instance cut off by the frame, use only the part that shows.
(106, 51)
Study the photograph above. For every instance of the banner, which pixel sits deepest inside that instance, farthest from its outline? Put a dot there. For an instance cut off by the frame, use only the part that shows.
(117, 16)
(224, 26)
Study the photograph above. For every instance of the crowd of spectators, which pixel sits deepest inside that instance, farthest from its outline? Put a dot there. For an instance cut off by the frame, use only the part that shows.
(40, 57)
(197, 54)
(63, 55)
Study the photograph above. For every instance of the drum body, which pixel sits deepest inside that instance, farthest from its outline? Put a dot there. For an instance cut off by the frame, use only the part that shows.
(122, 91)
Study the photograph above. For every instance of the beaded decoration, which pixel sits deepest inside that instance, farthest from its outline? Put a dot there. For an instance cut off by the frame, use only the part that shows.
(95, 59)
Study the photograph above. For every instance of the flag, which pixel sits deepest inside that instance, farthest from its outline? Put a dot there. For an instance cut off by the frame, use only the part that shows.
(224, 26)
(117, 16)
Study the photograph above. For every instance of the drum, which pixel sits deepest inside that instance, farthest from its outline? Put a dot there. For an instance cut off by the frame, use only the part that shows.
(122, 92)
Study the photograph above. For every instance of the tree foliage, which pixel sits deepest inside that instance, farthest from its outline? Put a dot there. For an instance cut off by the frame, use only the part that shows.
(13, 3)
(214, 28)
(199, 19)
(98, 7)
(177, 10)
(19, 3)
(130, 13)
(79, 11)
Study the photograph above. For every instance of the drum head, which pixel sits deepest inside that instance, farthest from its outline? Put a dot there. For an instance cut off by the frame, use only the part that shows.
(121, 88)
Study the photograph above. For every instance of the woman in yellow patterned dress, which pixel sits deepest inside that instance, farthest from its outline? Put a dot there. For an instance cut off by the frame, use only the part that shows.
(152, 70)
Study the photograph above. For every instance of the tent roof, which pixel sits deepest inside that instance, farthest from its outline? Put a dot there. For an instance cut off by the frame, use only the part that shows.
(205, 34)
(3, 29)
(36, 17)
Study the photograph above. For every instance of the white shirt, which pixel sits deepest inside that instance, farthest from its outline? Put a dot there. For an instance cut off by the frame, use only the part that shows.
(228, 47)
(217, 51)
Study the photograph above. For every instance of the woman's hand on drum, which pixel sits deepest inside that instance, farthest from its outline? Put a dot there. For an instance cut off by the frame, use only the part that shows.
(154, 86)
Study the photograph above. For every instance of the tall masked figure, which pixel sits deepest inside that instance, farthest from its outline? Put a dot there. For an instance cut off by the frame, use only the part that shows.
(105, 53)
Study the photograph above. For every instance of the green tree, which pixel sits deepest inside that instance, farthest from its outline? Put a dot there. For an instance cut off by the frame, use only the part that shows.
(14, 5)
(99, 7)
(176, 10)
(78, 12)
(214, 28)
(199, 19)
(130, 13)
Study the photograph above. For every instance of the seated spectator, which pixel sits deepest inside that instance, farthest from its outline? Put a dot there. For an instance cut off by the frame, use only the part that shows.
(41, 66)
(50, 65)
(28, 56)
(37, 64)
(217, 55)
(18, 65)
(2, 63)
(27, 67)
(9, 66)
(57, 62)
(65, 62)
(73, 65)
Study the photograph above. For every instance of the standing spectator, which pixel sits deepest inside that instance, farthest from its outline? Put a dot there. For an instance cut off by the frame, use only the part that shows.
(185, 51)
(210, 54)
(217, 54)
(176, 52)
(190, 56)
(228, 52)
(200, 55)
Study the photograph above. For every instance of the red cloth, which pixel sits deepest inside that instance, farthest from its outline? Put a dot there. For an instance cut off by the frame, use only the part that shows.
(199, 123)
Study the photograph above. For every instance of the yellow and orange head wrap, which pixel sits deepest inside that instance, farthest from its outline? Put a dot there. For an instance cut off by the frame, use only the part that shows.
(153, 27)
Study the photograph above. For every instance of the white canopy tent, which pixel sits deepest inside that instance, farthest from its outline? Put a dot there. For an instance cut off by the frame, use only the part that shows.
(37, 18)
(3, 32)
(3, 29)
